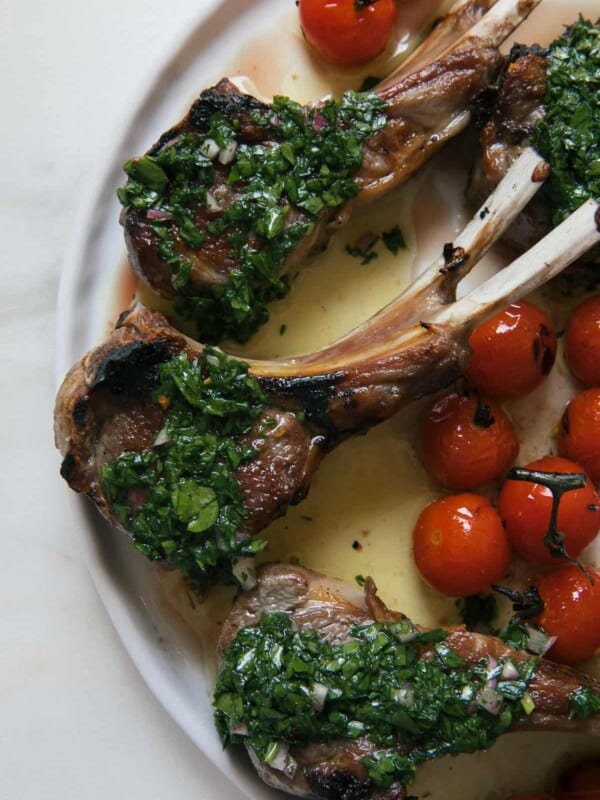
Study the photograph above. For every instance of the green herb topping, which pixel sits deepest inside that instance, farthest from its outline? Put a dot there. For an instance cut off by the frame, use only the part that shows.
(568, 137)
(270, 199)
(179, 499)
(408, 692)
(583, 703)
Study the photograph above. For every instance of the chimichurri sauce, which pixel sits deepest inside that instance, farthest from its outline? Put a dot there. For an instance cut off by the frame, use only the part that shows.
(179, 499)
(272, 196)
(408, 692)
(568, 136)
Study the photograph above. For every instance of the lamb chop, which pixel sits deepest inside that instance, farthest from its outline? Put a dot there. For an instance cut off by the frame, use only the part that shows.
(240, 192)
(538, 89)
(193, 453)
(337, 697)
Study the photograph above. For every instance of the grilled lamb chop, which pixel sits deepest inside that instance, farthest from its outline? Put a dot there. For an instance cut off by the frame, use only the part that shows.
(240, 192)
(132, 402)
(338, 769)
(506, 134)
(520, 105)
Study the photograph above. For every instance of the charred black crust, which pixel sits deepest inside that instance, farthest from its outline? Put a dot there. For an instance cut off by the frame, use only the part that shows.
(519, 51)
(67, 466)
(230, 104)
(312, 393)
(132, 369)
(338, 785)
(79, 412)
(223, 99)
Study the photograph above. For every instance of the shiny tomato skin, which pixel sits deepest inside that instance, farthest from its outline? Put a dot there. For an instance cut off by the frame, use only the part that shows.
(345, 32)
(513, 351)
(462, 452)
(571, 612)
(459, 545)
(525, 508)
(580, 782)
(579, 432)
(582, 342)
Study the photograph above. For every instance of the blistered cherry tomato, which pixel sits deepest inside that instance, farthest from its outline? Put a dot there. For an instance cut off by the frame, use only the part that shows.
(525, 508)
(579, 432)
(512, 352)
(571, 612)
(582, 342)
(348, 32)
(467, 441)
(580, 782)
(460, 546)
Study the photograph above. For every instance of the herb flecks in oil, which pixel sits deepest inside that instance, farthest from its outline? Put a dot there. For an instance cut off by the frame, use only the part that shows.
(179, 499)
(271, 198)
(404, 690)
(568, 136)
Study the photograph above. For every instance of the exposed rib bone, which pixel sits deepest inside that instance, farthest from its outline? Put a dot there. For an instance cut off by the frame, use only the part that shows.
(426, 104)
(105, 406)
(436, 286)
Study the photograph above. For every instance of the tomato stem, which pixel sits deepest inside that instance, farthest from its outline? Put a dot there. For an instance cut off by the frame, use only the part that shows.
(527, 604)
(559, 483)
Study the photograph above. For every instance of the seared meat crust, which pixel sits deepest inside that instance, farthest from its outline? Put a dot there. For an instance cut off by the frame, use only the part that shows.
(424, 108)
(313, 601)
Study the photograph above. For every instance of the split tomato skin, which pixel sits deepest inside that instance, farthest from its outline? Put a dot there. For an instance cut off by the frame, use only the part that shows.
(513, 351)
(467, 441)
(348, 32)
(459, 545)
(571, 612)
(525, 508)
(582, 342)
(579, 432)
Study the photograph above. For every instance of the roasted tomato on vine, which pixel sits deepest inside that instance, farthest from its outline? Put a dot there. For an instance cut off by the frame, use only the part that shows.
(571, 612)
(348, 32)
(526, 510)
(466, 441)
(579, 432)
(582, 342)
(580, 782)
(460, 546)
(513, 351)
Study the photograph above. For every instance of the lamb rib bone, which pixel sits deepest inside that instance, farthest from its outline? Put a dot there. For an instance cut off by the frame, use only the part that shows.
(105, 408)
(424, 109)
(314, 602)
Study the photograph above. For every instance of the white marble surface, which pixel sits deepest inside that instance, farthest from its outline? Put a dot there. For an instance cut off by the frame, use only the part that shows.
(76, 719)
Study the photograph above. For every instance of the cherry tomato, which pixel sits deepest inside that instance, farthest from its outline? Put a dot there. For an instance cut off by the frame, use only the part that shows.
(582, 342)
(348, 32)
(525, 508)
(579, 432)
(580, 782)
(460, 546)
(512, 352)
(467, 441)
(571, 612)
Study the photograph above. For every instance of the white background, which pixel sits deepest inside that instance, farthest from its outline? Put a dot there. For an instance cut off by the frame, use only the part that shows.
(76, 720)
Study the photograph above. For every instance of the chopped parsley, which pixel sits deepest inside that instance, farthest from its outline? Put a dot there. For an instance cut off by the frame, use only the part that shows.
(280, 686)
(583, 703)
(179, 499)
(364, 247)
(271, 199)
(568, 136)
